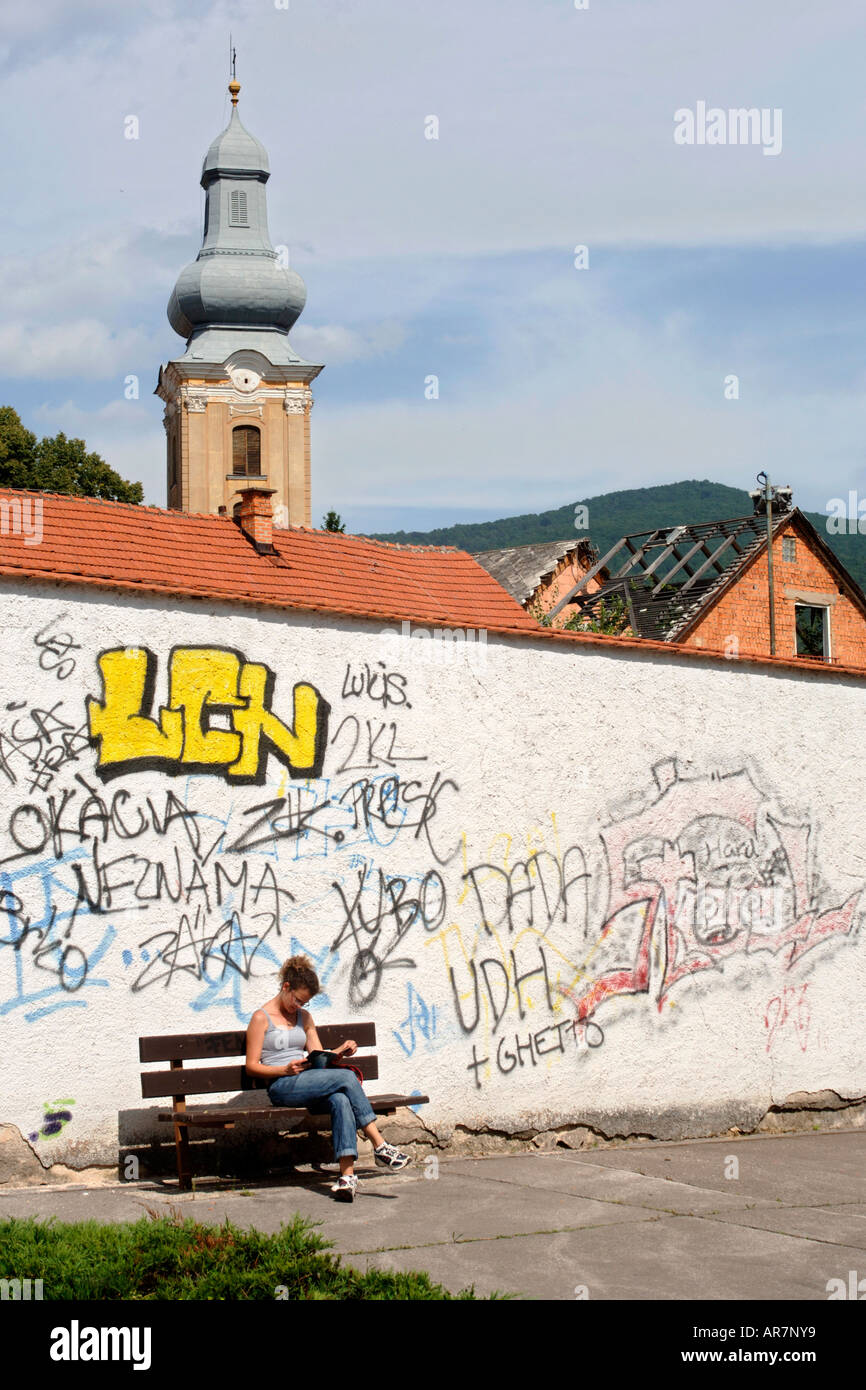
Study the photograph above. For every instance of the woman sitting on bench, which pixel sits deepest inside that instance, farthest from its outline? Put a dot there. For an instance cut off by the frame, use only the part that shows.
(278, 1037)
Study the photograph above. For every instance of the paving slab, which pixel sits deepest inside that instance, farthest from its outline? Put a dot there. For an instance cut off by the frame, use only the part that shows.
(852, 1208)
(463, 1207)
(670, 1259)
(799, 1169)
(605, 1183)
(827, 1224)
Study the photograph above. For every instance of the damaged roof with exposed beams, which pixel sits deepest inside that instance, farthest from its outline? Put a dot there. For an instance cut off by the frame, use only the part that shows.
(666, 579)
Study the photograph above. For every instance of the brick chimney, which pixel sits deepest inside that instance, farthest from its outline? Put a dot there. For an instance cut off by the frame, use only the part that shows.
(255, 516)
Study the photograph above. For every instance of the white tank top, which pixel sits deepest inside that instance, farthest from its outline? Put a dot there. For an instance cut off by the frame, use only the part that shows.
(283, 1045)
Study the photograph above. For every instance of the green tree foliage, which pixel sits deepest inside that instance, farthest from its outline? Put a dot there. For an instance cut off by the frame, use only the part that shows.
(610, 618)
(57, 464)
(333, 522)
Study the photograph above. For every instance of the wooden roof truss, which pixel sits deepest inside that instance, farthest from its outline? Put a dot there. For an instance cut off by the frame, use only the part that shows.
(651, 560)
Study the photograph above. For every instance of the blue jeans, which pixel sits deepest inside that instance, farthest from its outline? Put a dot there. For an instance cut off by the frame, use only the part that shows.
(337, 1090)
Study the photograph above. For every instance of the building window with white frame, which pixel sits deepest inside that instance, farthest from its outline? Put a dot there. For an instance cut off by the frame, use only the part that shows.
(813, 631)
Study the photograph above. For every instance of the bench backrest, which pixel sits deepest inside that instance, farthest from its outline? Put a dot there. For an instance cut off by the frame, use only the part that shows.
(179, 1048)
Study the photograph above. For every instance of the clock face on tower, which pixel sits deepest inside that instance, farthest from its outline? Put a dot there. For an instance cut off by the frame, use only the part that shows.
(244, 379)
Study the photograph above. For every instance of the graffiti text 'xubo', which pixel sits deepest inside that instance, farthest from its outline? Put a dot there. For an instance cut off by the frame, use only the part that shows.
(204, 684)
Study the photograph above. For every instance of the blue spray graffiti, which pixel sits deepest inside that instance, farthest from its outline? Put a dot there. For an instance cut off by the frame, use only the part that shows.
(418, 1015)
(42, 941)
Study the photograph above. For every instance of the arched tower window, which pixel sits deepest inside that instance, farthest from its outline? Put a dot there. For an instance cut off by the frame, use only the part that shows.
(247, 451)
(238, 209)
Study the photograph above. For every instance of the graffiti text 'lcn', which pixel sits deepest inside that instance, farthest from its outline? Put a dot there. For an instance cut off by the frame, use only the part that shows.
(203, 683)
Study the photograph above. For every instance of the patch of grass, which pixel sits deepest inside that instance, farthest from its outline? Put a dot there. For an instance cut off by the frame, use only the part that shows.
(170, 1257)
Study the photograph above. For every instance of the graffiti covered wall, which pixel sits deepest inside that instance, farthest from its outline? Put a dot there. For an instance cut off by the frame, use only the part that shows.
(570, 884)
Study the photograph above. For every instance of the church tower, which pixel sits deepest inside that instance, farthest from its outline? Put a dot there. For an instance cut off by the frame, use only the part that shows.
(238, 401)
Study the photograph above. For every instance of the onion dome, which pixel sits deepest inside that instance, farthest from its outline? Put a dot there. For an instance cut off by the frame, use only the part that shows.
(235, 281)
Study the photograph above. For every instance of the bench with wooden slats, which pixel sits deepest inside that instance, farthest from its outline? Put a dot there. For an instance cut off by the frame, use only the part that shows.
(181, 1081)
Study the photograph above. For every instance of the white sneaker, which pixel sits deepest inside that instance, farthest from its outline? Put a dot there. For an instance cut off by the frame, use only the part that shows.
(390, 1157)
(344, 1188)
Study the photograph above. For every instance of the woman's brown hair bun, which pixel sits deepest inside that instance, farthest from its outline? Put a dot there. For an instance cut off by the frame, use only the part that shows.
(298, 973)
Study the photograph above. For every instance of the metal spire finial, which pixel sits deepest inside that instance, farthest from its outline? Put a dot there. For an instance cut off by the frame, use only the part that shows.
(234, 85)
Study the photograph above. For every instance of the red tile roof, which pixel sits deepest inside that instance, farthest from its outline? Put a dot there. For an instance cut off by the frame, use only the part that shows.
(112, 545)
(147, 549)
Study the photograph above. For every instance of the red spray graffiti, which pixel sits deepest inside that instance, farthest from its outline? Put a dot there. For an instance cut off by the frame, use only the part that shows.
(699, 872)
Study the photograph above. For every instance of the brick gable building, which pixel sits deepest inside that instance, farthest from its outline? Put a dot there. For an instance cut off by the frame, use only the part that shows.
(707, 586)
(820, 610)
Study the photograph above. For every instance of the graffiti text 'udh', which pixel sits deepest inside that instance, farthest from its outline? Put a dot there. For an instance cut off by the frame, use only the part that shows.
(203, 683)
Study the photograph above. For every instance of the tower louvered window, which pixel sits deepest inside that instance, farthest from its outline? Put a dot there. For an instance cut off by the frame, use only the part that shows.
(238, 209)
(247, 451)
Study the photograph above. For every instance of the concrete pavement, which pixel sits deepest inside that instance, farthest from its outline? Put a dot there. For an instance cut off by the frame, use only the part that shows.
(770, 1217)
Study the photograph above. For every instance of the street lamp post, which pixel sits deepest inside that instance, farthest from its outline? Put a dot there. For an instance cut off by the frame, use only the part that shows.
(768, 495)
(763, 499)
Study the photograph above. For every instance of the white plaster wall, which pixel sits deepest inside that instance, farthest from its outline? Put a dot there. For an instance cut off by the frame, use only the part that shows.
(528, 748)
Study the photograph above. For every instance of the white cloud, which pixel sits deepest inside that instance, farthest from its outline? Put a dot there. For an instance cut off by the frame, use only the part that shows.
(79, 348)
(95, 275)
(337, 344)
(556, 126)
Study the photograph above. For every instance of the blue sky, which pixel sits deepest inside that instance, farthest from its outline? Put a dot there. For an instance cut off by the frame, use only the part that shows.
(455, 256)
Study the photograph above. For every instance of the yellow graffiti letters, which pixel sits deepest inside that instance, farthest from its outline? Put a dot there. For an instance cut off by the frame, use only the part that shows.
(203, 679)
(297, 746)
(203, 683)
(124, 734)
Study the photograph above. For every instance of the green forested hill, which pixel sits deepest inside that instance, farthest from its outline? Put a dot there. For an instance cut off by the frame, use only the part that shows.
(615, 514)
